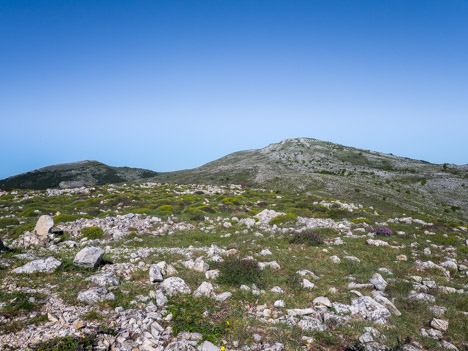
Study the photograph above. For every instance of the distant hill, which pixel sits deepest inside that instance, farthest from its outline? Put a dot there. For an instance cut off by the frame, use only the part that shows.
(331, 170)
(82, 173)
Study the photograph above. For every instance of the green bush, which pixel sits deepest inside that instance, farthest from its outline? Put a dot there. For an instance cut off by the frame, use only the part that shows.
(5, 222)
(360, 220)
(92, 233)
(236, 272)
(282, 219)
(165, 209)
(463, 250)
(307, 237)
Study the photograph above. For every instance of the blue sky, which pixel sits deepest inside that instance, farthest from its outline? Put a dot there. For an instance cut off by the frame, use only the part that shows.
(168, 85)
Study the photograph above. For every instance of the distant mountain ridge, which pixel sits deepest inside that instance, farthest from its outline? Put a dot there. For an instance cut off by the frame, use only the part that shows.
(304, 165)
(332, 170)
(74, 174)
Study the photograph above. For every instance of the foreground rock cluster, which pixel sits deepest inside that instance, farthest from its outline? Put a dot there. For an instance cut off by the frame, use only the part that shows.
(240, 272)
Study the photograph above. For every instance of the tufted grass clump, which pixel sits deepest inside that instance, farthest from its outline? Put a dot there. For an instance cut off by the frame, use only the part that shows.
(282, 219)
(235, 272)
(189, 314)
(92, 233)
(306, 237)
(18, 303)
(381, 231)
(5, 222)
(66, 343)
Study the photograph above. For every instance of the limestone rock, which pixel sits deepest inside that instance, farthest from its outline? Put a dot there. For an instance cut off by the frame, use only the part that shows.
(44, 225)
(322, 300)
(48, 265)
(205, 289)
(180, 346)
(94, 295)
(208, 346)
(378, 282)
(155, 274)
(104, 279)
(439, 324)
(89, 257)
(175, 285)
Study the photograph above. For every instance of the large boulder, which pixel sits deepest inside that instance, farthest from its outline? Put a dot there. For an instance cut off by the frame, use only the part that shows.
(89, 257)
(48, 265)
(205, 289)
(175, 285)
(44, 225)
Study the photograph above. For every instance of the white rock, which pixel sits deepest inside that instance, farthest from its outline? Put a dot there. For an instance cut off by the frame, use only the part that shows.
(205, 289)
(378, 282)
(94, 295)
(104, 279)
(307, 284)
(208, 346)
(335, 259)
(44, 225)
(439, 324)
(48, 265)
(322, 300)
(155, 274)
(175, 285)
(279, 303)
(223, 296)
(89, 257)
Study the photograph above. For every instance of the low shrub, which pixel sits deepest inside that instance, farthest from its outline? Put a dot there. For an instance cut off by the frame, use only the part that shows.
(360, 220)
(235, 272)
(381, 231)
(282, 219)
(165, 209)
(92, 233)
(306, 237)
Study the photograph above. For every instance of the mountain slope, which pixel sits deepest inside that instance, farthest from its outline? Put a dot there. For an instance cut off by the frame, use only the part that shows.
(332, 170)
(82, 173)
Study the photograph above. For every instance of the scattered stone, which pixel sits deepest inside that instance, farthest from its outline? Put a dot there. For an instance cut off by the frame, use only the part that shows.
(48, 265)
(104, 279)
(180, 346)
(307, 284)
(95, 295)
(439, 324)
(208, 346)
(378, 282)
(322, 300)
(175, 285)
(335, 259)
(205, 289)
(223, 296)
(155, 274)
(89, 257)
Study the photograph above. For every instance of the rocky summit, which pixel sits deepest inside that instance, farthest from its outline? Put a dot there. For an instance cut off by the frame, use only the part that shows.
(153, 266)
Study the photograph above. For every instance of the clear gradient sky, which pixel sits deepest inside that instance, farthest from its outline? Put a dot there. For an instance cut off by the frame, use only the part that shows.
(168, 85)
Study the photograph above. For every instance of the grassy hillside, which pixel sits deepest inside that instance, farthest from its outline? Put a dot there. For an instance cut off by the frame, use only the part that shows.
(331, 170)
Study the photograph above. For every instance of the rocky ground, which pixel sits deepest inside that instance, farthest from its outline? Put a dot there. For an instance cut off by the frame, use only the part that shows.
(167, 267)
